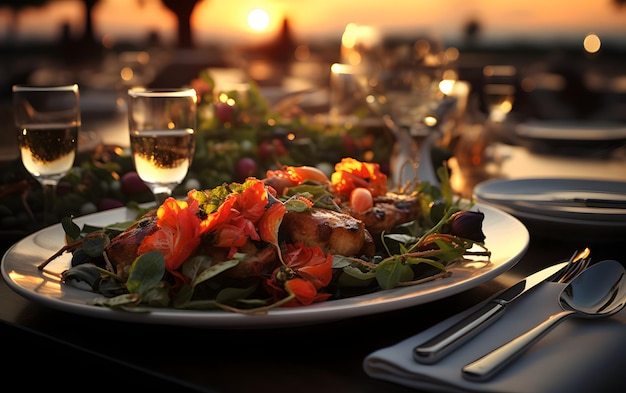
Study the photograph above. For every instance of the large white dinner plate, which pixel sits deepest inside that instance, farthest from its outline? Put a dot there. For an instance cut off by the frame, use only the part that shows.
(564, 220)
(506, 237)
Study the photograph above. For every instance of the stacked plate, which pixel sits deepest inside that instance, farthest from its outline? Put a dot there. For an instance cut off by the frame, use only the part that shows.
(572, 137)
(568, 209)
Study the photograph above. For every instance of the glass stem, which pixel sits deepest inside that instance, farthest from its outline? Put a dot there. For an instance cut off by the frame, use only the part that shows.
(49, 203)
(160, 197)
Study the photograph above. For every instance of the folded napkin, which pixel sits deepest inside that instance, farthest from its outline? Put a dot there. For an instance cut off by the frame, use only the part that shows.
(576, 356)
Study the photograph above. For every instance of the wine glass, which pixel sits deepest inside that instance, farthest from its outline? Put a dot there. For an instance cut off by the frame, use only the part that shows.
(162, 125)
(48, 121)
(407, 96)
(499, 91)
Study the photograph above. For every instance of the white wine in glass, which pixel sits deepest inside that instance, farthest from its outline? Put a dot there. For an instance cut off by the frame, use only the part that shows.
(48, 121)
(162, 126)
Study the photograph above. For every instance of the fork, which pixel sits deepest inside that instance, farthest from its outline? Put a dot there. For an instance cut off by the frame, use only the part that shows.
(578, 262)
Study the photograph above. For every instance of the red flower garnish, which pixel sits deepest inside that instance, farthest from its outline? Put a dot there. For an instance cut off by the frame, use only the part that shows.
(181, 226)
(305, 293)
(244, 212)
(281, 180)
(270, 223)
(305, 272)
(350, 174)
(180, 230)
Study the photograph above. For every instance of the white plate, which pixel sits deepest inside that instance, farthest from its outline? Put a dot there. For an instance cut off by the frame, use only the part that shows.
(572, 131)
(507, 239)
(564, 221)
(572, 137)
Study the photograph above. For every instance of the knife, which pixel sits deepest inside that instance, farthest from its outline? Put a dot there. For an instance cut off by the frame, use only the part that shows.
(565, 198)
(442, 344)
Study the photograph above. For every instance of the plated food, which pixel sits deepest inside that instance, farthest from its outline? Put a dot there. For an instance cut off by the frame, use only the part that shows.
(294, 238)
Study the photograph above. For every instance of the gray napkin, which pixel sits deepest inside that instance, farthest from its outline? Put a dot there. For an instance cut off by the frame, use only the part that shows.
(577, 356)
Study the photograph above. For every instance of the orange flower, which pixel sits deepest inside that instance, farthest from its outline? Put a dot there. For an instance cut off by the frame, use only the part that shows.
(251, 203)
(306, 271)
(350, 174)
(310, 263)
(305, 293)
(180, 229)
(245, 210)
(270, 223)
(236, 232)
(281, 180)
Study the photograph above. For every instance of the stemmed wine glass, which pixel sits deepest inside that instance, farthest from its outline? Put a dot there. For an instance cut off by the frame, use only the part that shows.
(499, 90)
(162, 125)
(407, 96)
(48, 121)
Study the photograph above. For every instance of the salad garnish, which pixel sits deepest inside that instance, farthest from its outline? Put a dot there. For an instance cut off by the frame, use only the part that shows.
(294, 238)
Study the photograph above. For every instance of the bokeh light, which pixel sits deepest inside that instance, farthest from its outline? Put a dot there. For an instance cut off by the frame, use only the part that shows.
(592, 43)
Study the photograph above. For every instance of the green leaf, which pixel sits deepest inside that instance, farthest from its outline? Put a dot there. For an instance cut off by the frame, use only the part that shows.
(94, 244)
(401, 238)
(339, 262)
(195, 264)
(448, 252)
(146, 272)
(349, 278)
(156, 296)
(431, 262)
(296, 205)
(311, 190)
(357, 273)
(214, 271)
(391, 272)
(326, 201)
(119, 226)
(72, 231)
(116, 302)
(232, 294)
(85, 273)
(183, 297)
(110, 287)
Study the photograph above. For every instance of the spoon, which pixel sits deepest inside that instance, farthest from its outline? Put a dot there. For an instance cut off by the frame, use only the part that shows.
(599, 291)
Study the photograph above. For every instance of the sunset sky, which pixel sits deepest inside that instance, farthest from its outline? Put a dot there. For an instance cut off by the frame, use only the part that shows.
(224, 21)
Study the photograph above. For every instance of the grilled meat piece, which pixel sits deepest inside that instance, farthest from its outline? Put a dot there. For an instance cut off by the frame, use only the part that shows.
(122, 251)
(335, 233)
(388, 212)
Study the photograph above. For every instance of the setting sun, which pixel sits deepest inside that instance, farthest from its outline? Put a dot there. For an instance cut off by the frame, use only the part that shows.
(258, 20)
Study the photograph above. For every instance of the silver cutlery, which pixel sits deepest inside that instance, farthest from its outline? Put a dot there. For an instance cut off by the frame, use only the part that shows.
(450, 339)
(597, 292)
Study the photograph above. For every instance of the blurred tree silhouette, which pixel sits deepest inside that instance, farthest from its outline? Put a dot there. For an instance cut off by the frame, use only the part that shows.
(16, 6)
(19, 5)
(183, 10)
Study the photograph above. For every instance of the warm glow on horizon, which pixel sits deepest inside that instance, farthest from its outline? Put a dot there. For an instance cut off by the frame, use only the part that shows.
(216, 21)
